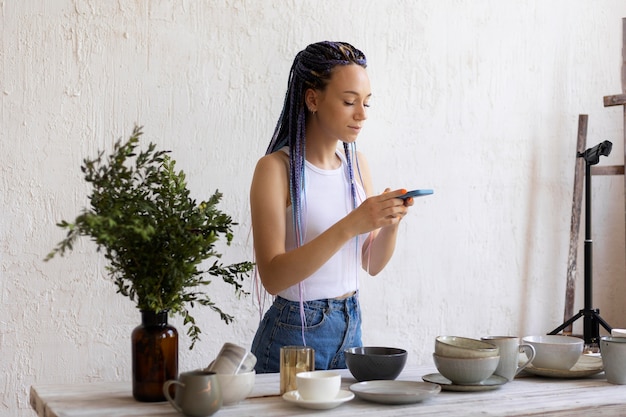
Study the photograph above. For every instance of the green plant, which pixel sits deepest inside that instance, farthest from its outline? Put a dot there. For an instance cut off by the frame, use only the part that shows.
(153, 233)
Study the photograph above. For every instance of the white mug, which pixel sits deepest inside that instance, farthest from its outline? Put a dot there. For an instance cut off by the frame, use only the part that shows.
(510, 348)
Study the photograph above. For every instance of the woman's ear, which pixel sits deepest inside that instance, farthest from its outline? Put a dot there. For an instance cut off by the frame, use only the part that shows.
(310, 100)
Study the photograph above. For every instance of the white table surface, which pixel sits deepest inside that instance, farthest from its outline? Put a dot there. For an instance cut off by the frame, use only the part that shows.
(527, 396)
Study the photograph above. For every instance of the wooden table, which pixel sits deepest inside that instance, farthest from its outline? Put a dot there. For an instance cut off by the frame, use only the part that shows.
(527, 396)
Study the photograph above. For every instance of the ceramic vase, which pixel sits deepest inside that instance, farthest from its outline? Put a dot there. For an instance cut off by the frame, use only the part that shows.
(154, 356)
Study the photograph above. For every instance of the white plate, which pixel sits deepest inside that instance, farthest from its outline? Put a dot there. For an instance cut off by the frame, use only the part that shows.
(493, 382)
(394, 392)
(587, 365)
(295, 398)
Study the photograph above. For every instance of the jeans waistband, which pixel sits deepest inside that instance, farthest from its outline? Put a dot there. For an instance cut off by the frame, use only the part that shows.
(333, 303)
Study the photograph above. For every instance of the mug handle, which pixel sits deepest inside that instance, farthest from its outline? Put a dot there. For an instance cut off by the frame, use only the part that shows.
(529, 350)
(166, 392)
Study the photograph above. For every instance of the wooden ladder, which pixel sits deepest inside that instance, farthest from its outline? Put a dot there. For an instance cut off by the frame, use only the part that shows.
(615, 100)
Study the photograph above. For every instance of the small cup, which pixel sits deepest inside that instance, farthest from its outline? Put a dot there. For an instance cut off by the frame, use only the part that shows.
(318, 385)
(293, 360)
(510, 348)
(613, 352)
(198, 393)
(232, 359)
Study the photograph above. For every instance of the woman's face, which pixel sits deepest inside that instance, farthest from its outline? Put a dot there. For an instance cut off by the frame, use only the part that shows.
(341, 108)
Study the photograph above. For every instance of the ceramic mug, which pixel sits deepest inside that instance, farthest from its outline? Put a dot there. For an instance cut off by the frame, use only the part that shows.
(510, 348)
(198, 393)
(318, 385)
(232, 359)
(613, 352)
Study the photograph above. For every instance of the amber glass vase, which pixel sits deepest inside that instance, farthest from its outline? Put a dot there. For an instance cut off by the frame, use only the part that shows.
(155, 356)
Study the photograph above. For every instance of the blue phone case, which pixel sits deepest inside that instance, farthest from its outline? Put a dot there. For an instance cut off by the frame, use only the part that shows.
(416, 193)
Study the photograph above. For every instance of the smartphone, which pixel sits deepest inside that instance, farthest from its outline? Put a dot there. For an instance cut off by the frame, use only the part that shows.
(416, 193)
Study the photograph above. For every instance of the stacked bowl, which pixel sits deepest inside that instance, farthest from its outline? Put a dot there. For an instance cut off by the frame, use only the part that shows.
(465, 361)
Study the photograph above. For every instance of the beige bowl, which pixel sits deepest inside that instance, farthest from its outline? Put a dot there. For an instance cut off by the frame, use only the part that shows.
(463, 347)
(466, 371)
(555, 351)
(236, 387)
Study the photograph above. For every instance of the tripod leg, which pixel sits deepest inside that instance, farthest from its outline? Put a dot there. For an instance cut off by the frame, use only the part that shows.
(602, 322)
(591, 329)
(567, 323)
(592, 326)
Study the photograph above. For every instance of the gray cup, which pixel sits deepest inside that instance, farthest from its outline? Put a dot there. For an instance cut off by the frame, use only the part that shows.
(510, 349)
(198, 393)
(613, 351)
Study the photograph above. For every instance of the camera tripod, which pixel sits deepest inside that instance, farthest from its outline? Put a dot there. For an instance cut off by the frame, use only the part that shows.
(591, 317)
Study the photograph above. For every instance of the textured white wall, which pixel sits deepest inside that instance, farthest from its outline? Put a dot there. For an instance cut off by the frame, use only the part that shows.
(476, 99)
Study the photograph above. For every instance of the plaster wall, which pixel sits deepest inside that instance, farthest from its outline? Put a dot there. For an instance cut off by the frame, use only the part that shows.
(476, 99)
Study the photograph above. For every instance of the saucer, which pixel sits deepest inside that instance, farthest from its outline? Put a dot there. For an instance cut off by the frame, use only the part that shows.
(587, 365)
(394, 392)
(491, 383)
(295, 398)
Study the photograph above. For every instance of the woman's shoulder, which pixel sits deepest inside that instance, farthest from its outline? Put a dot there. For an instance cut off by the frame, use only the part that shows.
(275, 163)
(271, 177)
(278, 157)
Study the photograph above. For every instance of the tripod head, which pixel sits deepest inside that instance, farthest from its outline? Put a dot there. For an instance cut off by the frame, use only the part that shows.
(592, 155)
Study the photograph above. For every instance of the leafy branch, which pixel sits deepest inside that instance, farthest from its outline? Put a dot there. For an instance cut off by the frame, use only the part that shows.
(153, 234)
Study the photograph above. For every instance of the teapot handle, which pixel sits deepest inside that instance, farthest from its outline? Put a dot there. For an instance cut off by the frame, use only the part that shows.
(166, 392)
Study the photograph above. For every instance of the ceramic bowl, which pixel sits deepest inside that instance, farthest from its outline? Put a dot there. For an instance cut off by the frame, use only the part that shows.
(373, 363)
(463, 347)
(555, 351)
(466, 371)
(236, 387)
(318, 385)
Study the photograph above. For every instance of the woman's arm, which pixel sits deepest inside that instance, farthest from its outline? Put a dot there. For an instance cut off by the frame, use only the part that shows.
(269, 198)
(381, 243)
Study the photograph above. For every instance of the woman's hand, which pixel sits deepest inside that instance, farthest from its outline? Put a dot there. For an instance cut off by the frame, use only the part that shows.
(379, 211)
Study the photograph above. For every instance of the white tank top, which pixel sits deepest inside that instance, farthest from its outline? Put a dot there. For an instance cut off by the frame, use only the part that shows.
(326, 200)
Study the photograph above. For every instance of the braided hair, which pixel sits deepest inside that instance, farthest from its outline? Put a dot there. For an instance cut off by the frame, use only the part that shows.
(311, 68)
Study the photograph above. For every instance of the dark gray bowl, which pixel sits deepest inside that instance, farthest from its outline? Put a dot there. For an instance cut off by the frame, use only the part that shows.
(372, 363)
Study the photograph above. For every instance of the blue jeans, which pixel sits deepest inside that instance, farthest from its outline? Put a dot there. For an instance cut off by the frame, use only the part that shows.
(332, 325)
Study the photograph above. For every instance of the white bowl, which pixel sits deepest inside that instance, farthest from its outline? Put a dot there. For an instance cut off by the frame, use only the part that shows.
(463, 347)
(555, 351)
(318, 385)
(236, 387)
(466, 371)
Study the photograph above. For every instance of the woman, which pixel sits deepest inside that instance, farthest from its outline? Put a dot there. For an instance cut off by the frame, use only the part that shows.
(314, 214)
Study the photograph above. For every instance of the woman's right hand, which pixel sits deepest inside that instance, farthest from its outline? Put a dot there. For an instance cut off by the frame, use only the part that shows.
(378, 211)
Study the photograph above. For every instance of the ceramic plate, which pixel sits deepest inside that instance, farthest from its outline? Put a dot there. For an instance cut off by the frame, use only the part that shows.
(295, 398)
(587, 365)
(394, 392)
(493, 382)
